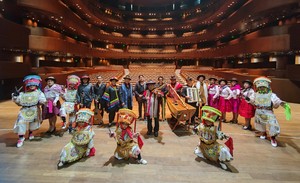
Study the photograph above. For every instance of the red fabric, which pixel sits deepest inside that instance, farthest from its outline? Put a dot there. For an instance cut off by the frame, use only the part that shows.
(246, 110)
(224, 105)
(236, 87)
(92, 151)
(128, 131)
(229, 144)
(140, 142)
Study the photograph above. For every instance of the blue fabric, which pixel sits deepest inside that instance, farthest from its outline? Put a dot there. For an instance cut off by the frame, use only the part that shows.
(126, 95)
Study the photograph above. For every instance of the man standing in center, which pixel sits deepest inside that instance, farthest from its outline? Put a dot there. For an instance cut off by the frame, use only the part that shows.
(99, 89)
(126, 93)
(139, 89)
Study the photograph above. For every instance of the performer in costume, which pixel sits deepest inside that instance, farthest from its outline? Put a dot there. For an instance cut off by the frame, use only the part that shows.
(161, 86)
(176, 85)
(202, 88)
(50, 111)
(224, 99)
(126, 93)
(190, 83)
(208, 147)
(85, 93)
(235, 100)
(152, 110)
(127, 147)
(213, 93)
(246, 108)
(99, 89)
(30, 114)
(139, 89)
(265, 101)
(69, 96)
(82, 143)
(112, 100)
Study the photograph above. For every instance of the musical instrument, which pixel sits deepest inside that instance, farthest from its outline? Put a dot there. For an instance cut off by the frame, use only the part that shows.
(178, 108)
(193, 95)
(98, 119)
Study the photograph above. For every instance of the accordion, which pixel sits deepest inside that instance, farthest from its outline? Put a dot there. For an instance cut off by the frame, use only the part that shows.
(193, 95)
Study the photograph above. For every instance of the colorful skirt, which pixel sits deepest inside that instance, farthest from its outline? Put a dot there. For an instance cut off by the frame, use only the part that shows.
(235, 103)
(213, 102)
(224, 105)
(246, 110)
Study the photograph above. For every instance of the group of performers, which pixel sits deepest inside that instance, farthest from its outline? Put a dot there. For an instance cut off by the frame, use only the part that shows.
(214, 102)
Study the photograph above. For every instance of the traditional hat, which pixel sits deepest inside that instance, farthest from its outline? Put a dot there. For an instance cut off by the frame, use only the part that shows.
(126, 116)
(85, 76)
(173, 78)
(150, 82)
(84, 115)
(127, 77)
(73, 79)
(234, 79)
(210, 114)
(212, 78)
(222, 80)
(248, 81)
(32, 80)
(201, 75)
(114, 78)
(50, 78)
(262, 81)
(189, 79)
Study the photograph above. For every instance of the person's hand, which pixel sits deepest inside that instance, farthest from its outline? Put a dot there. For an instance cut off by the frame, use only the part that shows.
(112, 134)
(54, 103)
(187, 97)
(135, 135)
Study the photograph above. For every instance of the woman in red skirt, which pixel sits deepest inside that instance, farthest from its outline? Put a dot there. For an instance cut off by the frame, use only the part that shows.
(224, 100)
(246, 109)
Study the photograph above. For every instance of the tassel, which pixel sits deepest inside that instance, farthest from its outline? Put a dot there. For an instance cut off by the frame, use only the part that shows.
(287, 111)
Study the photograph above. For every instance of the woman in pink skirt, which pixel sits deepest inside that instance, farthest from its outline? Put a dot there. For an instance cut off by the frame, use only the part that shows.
(224, 100)
(235, 100)
(246, 109)
(213, 93)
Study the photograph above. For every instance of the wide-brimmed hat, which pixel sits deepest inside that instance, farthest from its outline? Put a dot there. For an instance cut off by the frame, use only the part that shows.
(189, 79)
(173, 78)
(127, 77)
(248, 81)
(212, 78)
(201, 75)
(150, 82)
(220, 80)
(114, 78)
(50, 78)
(234, 79)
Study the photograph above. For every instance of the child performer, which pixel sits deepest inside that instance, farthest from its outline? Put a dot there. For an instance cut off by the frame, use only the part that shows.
(52, 92)
(82, 143)
(208, 147)
(124, 136)
(265, 101)
(224, 100)
(69, 96)
(213, 93)
(152, 107)
(30, 114)
(246, 108)
(235, 100)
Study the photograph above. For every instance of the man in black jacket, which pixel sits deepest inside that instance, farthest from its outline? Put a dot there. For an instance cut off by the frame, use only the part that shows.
(99, 89)
(139, 89)
(85, 93)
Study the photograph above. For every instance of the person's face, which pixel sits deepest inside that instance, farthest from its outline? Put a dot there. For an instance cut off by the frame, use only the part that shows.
(85, 80)
(32, 88)
(141, 79)
(212, 81)
(232, 83)
(113, 82)
(99, 79)
(189, 82)
(201, 79)
(263, 89)
(173, 81)
(246, 85)
(151, 86)
(72, 85)
(222, 83)
(50, 82)
(160, 80)
(127, 81)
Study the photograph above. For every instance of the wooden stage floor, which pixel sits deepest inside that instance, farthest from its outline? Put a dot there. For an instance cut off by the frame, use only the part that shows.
(170, 156)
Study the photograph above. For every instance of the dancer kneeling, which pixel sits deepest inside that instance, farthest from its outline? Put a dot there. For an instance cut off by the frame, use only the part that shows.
(82, 143)
(208, 147)
(124, 136)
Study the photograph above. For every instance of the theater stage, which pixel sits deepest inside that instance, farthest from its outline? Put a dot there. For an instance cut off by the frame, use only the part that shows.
(170, 156)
